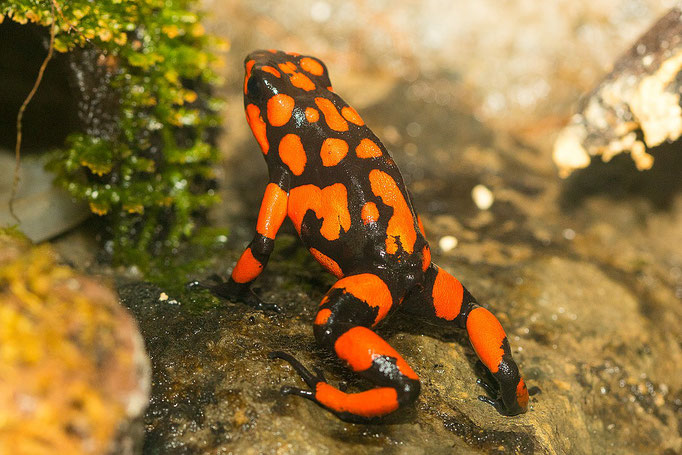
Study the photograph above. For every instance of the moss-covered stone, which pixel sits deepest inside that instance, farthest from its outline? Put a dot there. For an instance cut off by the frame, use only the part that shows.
(143, 74)
(74, 376)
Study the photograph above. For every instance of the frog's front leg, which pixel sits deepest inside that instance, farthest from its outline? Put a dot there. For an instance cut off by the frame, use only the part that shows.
(273, 211)
(444, 301)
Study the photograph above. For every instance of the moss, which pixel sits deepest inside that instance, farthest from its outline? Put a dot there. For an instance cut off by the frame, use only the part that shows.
(144, 163)
(12, 233)
(171, 269)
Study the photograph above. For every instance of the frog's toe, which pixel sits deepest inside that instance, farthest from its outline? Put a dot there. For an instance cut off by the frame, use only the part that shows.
(489, 389)
(309, 378)
(251, 299)
(233, 292)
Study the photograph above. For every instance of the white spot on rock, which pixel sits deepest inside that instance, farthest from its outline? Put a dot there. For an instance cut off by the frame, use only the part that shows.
(483, 197)
(447, 243)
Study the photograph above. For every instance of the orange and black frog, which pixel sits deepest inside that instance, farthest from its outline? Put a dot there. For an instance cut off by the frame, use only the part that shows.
(335, 180)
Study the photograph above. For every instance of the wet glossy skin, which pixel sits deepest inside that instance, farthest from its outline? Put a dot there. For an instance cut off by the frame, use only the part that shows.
(333, 178)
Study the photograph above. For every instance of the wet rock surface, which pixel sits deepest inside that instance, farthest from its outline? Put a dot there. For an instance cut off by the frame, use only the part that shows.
(587, 295)
(75, 375)
(587, 282)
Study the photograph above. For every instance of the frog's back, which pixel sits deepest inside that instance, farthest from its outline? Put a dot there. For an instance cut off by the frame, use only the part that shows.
(347, 198)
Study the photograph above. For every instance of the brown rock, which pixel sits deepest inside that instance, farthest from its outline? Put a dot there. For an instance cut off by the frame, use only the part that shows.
(636, 106)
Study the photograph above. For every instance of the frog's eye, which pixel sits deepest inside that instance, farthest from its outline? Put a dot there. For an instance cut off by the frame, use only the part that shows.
(254, 87)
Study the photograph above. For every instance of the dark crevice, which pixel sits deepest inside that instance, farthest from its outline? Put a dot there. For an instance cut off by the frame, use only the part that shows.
(52, 113)
(619, 179)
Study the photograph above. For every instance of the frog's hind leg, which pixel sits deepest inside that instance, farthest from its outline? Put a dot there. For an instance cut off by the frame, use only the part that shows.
(343, 325)
(444, 301)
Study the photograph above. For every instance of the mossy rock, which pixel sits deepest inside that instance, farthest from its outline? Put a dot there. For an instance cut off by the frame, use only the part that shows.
(142, 74)
(75, 377)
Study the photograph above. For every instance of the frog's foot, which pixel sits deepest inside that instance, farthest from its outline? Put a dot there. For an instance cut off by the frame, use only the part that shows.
(320, 391)
(234, 292)
(495, 398)
(492, 396)
(357, 407)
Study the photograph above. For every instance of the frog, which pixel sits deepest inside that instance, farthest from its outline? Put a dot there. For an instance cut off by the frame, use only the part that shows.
(337, 183)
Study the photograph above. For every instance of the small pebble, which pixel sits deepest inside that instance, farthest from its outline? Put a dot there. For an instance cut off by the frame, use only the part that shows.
(447, 243)
(483, 197)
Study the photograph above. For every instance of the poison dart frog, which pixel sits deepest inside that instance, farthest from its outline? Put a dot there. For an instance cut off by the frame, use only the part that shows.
(333, 178)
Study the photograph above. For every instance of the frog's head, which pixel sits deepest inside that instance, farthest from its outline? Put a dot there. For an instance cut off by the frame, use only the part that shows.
(278, 87)
(269, 73)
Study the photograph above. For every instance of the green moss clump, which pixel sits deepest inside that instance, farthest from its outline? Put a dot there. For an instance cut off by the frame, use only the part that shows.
(148, 170)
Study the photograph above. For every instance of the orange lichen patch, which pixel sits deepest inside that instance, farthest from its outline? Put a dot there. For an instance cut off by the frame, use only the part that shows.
(486, 335)
(360, 346)
(369, 213)
(351, 115)
(522, 394)
(329, 203)
(426, 257)
(271, 70)
(333, 151)
(370, 289)
(447, 295)
(248, 66)
(258, 127)
(401, 225)
(280, 107)
(273, 210)
(247, 269)
(371, 403)
(331, 115)
(327, 262)
(322, 316)
(292, 154)
(421, 226)
(300, 80)
(287, 67)
(367, 149)
(312, 66)
(312, 114)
